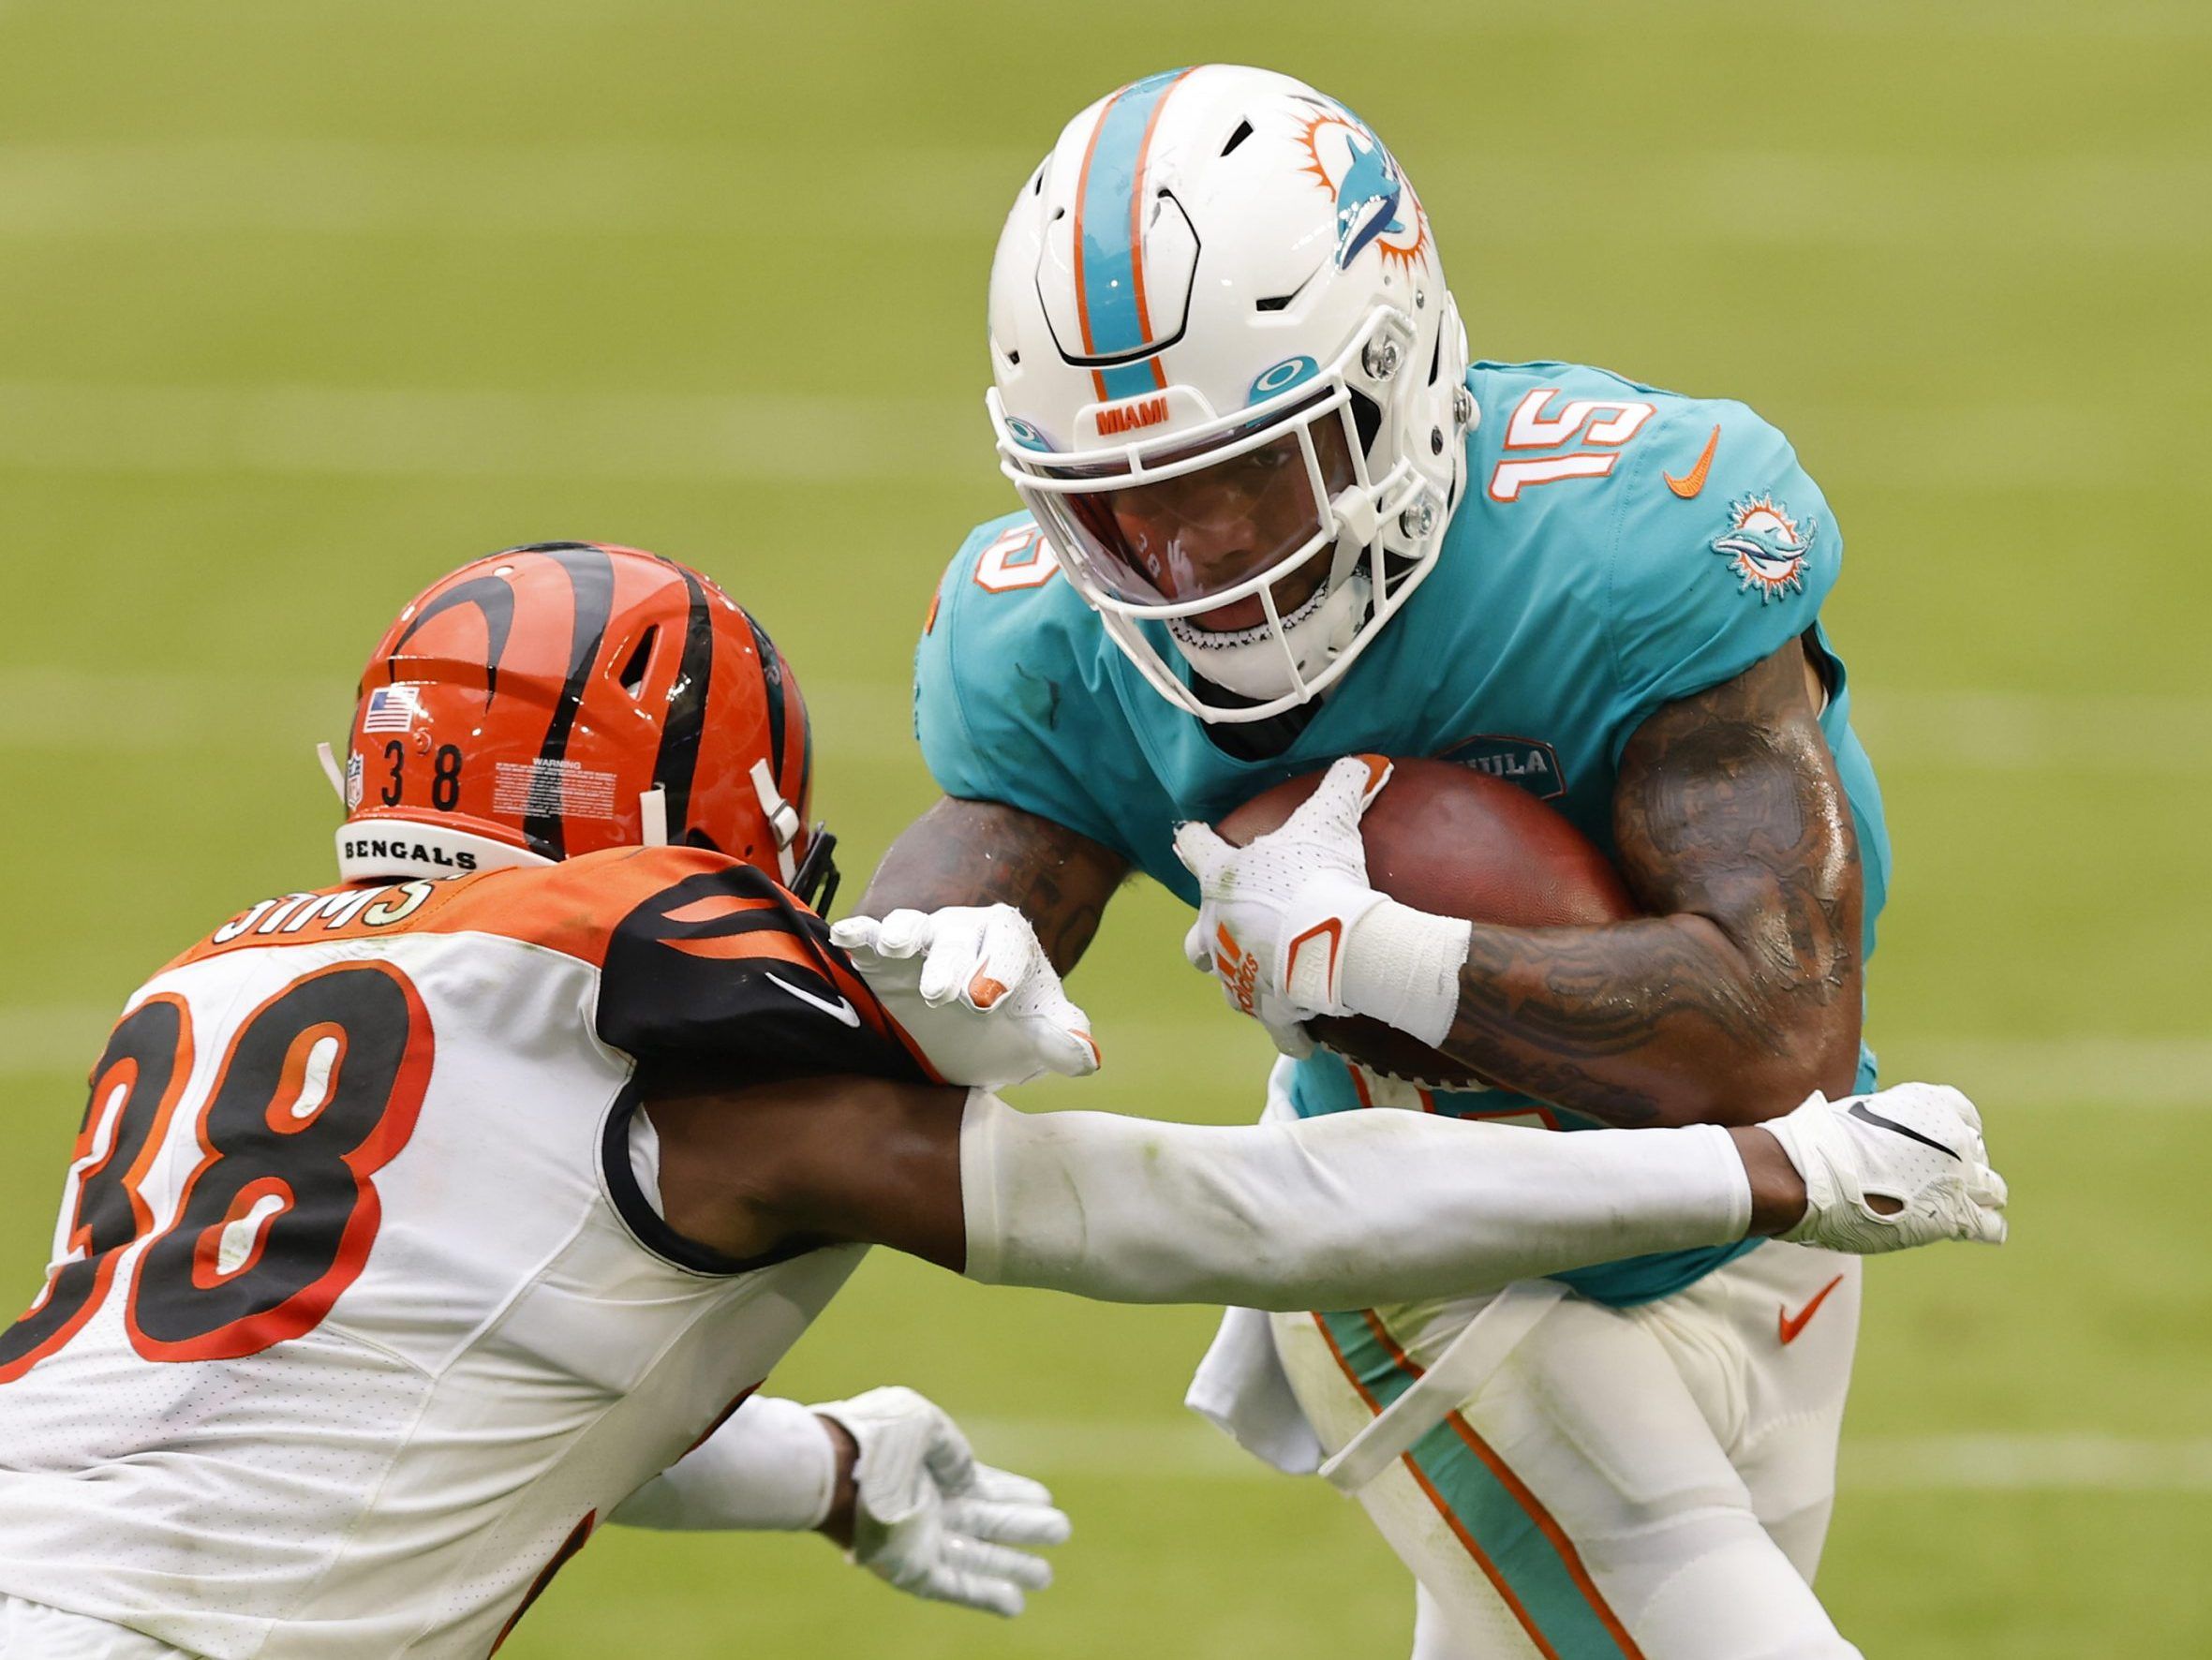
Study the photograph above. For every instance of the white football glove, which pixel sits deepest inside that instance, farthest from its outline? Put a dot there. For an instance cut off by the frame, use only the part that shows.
(1273, 915)
(931, 1520)
(973, 987)
(1917, 1146)
(1293, 928)
(1247, 991)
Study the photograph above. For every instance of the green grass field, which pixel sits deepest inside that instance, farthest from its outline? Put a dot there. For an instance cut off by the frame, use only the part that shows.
(301, 302)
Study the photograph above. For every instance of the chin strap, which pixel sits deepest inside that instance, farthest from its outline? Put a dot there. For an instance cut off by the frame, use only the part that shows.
(652, 818)
(1357, 516)
(783, 819)
(330, 770)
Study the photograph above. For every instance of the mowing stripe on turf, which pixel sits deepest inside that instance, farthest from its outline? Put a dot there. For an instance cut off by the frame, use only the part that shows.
(425, 433)
(773, 437)
(2066, 204)
(885, 193)
(44, 706)
(2066, 1070)
(48, 708)
(2051, 1461)
(2053, 1070)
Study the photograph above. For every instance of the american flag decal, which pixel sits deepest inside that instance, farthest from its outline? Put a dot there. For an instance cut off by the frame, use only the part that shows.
(391, 708)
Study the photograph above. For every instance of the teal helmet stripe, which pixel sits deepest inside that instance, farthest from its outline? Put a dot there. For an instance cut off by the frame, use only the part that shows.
(1109, 264)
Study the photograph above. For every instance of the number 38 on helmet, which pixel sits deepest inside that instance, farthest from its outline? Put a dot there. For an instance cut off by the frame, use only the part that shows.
(565, 697)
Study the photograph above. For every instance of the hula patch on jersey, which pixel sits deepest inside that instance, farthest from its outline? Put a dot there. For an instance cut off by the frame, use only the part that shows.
(1529, 762)
(1373, 204)
(1765, 547)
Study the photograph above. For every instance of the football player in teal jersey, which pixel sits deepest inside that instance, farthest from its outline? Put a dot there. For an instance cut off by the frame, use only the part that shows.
(1273, 516)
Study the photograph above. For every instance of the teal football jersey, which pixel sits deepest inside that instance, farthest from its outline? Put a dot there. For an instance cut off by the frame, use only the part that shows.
(1617, 547)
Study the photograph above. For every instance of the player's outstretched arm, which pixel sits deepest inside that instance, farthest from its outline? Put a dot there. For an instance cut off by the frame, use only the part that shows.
(1336, 1212)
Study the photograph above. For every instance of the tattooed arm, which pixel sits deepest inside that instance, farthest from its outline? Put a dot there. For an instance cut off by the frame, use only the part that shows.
(1739, 994)
(983, 853)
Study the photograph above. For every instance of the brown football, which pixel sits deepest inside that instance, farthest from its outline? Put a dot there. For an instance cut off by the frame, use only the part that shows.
(1447, 839)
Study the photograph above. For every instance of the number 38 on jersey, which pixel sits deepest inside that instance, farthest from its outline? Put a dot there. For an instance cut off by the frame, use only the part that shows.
(267, 1205)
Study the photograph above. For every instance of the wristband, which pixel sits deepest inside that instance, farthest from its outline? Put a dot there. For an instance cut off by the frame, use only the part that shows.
(1401, 967)
(772, 1468)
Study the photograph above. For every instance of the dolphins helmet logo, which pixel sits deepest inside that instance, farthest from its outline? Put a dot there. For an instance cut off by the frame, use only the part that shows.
(1374, 205)
(1765, 547)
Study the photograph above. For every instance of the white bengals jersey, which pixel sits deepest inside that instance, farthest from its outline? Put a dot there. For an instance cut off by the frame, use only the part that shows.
(358, 1321)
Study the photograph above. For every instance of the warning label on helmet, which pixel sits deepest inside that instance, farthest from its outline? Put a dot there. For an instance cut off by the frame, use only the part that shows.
(553, 789)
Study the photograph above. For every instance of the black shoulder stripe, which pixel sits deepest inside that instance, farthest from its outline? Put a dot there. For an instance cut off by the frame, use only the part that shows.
(723, 979)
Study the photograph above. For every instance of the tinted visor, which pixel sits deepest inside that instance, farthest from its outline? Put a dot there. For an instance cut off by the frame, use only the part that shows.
(1168, 541)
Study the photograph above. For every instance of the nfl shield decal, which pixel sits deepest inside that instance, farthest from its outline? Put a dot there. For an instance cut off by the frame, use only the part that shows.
(1765, 547)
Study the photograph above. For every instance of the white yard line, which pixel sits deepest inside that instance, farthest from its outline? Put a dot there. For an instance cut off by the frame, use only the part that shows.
(73, 711)
(2080, 1069)
(2060, 1461)
(2006, 1074)
(334, 430)
(957, 195)
(2036, 731)
(46, 1040)
(2060, 1071)
(884, 192)
(338, 431)
(2056, 1462)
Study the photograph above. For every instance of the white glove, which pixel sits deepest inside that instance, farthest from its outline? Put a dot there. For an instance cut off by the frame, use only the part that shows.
(975, 988)
(931, 1520)
(1293, 927)
(1242, 988)
(1274, 914)
(1917, 1146)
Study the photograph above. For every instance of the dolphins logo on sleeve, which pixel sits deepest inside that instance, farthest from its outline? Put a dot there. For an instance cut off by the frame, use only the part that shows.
(1765, 547)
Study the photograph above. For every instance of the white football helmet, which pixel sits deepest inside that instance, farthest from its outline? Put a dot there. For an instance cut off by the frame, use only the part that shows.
(1230, 380)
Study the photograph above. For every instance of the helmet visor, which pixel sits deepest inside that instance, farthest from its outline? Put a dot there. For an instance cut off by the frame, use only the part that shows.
(1208, 530)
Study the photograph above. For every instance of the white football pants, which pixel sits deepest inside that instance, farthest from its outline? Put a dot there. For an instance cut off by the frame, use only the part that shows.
(1650, 1483)
(32, 1631)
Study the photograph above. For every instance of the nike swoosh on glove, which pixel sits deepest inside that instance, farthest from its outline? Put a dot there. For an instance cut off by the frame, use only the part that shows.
(931, 1520)
(973, 988)
(1918, 1146)
(1274, 916)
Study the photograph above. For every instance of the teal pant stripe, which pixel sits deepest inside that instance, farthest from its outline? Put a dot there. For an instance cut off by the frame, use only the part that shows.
(1487, 1511)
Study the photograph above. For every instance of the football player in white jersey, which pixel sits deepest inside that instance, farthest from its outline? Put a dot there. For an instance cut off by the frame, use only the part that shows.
(420, 1224)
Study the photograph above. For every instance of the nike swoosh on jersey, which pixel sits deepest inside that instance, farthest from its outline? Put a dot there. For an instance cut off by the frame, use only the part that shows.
(1788, 1327)
(1694, 481)
(1861, 1110)
(840, 1009)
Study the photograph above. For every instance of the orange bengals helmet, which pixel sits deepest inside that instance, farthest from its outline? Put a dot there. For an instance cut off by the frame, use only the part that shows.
(569, 696)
